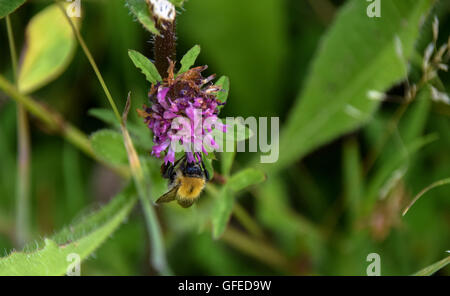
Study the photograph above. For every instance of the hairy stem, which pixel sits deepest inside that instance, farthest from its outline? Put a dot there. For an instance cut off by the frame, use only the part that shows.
(158, 254)
(165, 46)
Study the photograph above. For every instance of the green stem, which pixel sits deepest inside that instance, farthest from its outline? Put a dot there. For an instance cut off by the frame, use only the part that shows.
(91, 61)
(425, 190)
(158, 254)
(244, 218)
(256, 248)
(23, 178)
(24, 155)
(12, 47)
(247, 221)
(55, 122)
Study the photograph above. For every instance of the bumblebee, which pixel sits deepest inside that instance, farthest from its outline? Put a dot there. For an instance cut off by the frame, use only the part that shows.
(186, 181)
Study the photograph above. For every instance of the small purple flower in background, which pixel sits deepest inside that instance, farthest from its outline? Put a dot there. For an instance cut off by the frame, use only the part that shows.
(187, 102)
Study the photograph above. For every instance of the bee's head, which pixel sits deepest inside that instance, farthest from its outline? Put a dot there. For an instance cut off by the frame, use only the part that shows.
(193, 170)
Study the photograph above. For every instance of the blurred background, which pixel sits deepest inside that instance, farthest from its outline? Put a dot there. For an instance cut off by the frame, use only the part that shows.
(265, 47)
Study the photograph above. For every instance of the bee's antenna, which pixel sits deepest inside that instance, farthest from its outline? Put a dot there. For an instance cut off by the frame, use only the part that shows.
(205, 170)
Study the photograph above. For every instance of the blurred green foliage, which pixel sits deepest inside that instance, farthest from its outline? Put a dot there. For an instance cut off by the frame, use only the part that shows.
(321, 215)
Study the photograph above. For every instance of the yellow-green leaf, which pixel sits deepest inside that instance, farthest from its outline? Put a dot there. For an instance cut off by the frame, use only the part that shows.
(50, 46)
(429, 270)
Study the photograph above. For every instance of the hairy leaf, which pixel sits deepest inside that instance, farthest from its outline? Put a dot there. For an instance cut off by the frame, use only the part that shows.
(141, 11)
(51, 256)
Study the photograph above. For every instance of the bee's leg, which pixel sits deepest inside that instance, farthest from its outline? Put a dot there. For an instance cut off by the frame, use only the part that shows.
(207, 176)
(166, 170)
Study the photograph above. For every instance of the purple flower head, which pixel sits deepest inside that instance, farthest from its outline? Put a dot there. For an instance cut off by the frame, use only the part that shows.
(183, 110)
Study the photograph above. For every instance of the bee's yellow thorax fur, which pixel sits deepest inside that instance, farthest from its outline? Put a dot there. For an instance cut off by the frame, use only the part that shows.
(190, 188)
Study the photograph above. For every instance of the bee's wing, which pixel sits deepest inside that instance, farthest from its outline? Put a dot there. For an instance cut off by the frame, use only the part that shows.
(168, 196)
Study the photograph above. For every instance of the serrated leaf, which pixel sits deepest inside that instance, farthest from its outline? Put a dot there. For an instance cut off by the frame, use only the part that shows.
(245, 178)
(430, 270)
(146, 66)
(224, 83)
(108, 146)
(50, 256)
(332, 104)
(222, 210)
(141, 11)
(8, 6)
(189, 59)
(50, 46)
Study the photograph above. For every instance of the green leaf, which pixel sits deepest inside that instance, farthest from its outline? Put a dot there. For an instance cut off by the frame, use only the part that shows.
(178, 3)
(108, 146)
(331, 105)
(352, 177)
(226, 161)
(245, 178)
(105, 115)
(224, 83)
(223, 206)
(274, 211)
(50, 46)
(189, 59)
(208, 165)
(8, 6)
(139, 132)
(236, 131)
(397, 156)
(50, 256)
(141, 11)
(393, 169)
(433, 268)
(146, 66)
(222, 211)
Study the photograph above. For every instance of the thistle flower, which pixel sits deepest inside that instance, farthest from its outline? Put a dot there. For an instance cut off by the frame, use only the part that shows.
(188, 97)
